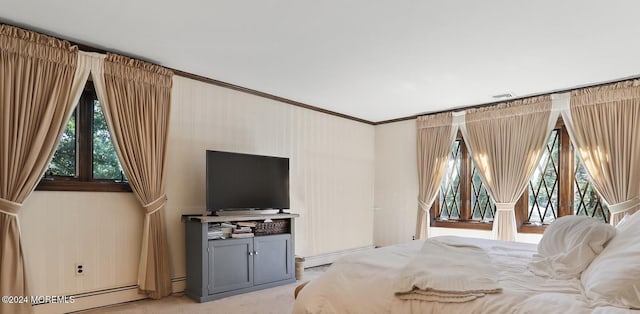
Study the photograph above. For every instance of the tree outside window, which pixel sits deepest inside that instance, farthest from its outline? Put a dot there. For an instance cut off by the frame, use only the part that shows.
(85, 159)
(559, 186)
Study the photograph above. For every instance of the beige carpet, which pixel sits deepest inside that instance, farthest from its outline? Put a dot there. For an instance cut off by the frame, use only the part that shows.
(278, 300)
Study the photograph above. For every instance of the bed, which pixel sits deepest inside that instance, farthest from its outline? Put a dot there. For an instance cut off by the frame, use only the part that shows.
(580, 266)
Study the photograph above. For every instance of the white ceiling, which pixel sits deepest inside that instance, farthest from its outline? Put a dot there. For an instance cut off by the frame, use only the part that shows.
(371, 59)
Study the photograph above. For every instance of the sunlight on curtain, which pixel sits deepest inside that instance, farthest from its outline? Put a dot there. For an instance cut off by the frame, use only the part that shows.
(603, 123)
(506, 142)
(435, 136)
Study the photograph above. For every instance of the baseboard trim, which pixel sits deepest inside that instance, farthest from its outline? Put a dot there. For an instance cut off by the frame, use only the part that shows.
(91, 300)
(119, 295)
(178, 285)
(328, 258)
(103, 298)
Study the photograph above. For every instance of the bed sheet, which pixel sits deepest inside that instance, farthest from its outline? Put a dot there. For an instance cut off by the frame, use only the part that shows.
(363, 283)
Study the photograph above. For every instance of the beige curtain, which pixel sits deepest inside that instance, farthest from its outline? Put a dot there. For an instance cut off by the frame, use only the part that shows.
(137, 110)
(435, 137)
(604, 121)
(506, 142)
(36, 74)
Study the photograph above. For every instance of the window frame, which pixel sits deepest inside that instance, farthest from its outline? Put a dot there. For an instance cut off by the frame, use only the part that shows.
(465, 197)
(83, 181)
(566, 186)
(566, 182)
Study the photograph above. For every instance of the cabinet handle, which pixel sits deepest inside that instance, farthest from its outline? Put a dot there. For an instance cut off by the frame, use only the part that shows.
(250, 253)
(256, 252)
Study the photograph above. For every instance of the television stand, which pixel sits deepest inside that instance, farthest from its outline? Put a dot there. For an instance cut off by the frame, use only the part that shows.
(224, 267)
(240, 212)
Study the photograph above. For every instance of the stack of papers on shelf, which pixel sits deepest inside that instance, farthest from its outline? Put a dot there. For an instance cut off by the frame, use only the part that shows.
(242, 232)
(217, 231)
(242, 235)
(242, 229)
(213, 235)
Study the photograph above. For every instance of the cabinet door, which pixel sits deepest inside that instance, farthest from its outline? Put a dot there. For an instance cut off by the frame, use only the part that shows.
(273, 258)
(230, 264)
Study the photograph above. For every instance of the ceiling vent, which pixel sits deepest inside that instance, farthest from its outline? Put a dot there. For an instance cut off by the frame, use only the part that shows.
(504, 96)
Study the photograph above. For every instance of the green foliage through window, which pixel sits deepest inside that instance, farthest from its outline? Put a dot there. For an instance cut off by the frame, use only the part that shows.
(450, 188)
(105, 161)
(483, 206)
(543, 184)
(64, 159)
(586, 201)
(453, 204)
(85, 159)
(463, 196)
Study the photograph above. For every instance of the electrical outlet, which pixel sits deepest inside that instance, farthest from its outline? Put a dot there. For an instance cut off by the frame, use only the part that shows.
(79, 269)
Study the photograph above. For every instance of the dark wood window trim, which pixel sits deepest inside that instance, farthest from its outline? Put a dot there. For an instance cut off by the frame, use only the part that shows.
(465, 198)
(66, 184)
(566, 186)
(461, 224)
(83, 181)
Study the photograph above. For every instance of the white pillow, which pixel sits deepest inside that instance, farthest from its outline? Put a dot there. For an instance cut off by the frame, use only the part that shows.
(614, 276)
(626, 221)
(569, 245)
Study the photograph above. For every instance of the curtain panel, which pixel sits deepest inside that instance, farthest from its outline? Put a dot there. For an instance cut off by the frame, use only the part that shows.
(137, 111)
(36, 75)
(435, 137)
(604, 128)
(506, 142)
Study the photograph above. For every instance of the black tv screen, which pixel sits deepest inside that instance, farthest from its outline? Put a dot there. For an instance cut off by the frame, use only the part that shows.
(243, 181)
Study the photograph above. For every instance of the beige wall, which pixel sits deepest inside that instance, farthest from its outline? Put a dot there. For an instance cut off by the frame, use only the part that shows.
(332, 186)
(331, 163)
(396, 189)
(353, 184)
(100, 230)
(396, 197)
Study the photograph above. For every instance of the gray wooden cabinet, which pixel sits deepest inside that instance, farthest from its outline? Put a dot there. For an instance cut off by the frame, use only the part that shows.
(221, 268)
(272, 259)
(230, 265)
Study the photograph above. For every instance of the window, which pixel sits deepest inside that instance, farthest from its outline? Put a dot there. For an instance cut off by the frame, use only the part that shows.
(483, 207)
(450, 199)
(541, 203)
(85, 159)
(463, 200)
(559, 186)
(587, 202)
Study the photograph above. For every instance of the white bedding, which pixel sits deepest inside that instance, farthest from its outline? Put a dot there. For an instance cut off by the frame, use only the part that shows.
(363, 283)
(447, 271)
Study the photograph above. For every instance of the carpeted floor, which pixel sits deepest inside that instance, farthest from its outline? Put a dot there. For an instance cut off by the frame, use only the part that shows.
(278, 300)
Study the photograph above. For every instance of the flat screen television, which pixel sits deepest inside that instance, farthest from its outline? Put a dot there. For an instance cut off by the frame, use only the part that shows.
(243, 181)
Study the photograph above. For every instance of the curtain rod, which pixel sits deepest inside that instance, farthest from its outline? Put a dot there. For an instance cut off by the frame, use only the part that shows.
(493, 103)
(88, 48)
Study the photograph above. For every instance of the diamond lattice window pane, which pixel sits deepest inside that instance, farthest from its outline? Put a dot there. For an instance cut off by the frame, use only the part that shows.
(586, 201)
(543, 184)
(450, 188)
(483, 206)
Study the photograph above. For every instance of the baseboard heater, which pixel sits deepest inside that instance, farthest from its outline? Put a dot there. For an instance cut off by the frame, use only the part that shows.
(102, 298)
